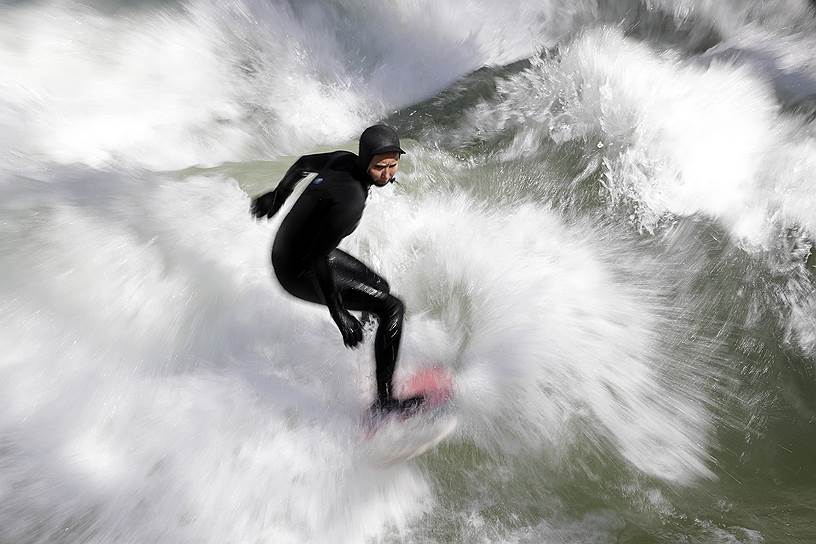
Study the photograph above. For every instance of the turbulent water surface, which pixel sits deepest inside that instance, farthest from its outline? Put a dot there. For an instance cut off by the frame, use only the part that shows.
(603, 226)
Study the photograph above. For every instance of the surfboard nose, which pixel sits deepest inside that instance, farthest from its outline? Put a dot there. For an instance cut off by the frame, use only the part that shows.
(434, 383)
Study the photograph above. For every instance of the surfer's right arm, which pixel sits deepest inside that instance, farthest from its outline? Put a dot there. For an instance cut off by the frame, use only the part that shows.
(268, 204)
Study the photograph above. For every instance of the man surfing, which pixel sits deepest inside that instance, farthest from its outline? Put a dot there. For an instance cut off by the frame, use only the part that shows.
(308, 264)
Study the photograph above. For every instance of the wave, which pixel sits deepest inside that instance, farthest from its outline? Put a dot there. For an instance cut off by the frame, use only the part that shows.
(602, 233)
(197, 83)
(149, 365)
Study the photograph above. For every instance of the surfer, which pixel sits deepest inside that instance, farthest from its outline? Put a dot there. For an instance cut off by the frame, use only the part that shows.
(308, 264)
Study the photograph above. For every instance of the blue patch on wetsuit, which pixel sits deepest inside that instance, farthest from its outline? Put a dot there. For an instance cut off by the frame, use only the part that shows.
(317, 181)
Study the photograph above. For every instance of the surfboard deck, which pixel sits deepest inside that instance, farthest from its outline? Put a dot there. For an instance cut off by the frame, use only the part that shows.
(400, 436)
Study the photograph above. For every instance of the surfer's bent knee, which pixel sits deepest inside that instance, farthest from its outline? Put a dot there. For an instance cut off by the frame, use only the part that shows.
(394, 306)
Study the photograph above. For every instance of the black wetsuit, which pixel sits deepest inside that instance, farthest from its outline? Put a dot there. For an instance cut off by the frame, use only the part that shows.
(309, 266)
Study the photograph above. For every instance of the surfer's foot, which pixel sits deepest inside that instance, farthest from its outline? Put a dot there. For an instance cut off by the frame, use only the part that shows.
(410, 406)
(406, 407)
(383, 407)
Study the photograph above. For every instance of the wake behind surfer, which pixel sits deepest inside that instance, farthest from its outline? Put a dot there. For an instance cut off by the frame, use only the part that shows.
(308, 264)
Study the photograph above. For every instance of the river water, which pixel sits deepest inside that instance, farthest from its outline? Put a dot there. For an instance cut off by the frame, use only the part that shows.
(603, 226)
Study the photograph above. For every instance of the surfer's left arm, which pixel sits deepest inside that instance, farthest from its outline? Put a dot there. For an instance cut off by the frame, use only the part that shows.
(268, 204)
(339, 222)
(350, 328)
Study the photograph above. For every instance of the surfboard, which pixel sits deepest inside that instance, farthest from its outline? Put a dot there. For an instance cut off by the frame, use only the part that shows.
(400, 436)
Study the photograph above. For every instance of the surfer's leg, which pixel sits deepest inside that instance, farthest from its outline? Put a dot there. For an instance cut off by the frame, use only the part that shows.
(343, 263)
(342, 260)
(363, 290)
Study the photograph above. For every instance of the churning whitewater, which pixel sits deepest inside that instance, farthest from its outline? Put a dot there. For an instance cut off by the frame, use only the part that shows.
(603, 228)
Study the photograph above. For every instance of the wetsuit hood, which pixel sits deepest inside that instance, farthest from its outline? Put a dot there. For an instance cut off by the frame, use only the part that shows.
(376, 140)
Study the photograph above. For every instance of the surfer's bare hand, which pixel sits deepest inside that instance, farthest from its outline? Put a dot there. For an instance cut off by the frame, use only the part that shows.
(350, 328)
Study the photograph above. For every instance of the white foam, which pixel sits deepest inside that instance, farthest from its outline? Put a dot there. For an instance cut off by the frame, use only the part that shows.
(673, 136)
(163, 90)
(152, 379)
(544, 335)
(169, 88)
(158, 379)
(158, 385)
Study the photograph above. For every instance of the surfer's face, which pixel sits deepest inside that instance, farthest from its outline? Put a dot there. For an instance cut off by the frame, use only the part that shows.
(383, 168)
